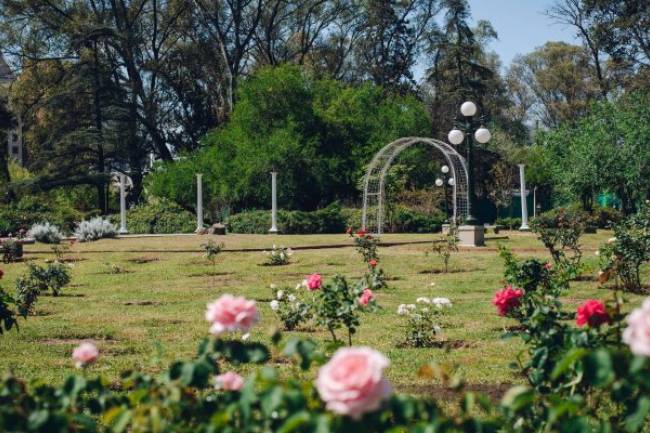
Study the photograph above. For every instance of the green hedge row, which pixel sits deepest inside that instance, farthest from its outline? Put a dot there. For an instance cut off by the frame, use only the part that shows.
(332, 219)
(160, 217)
(31, 210)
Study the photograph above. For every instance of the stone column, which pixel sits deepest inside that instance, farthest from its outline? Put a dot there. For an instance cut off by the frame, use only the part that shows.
(524, 200)
(199, 202)
(123, 230)
(274, 203)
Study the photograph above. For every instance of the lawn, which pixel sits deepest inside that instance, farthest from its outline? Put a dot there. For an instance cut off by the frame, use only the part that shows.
(152, 312)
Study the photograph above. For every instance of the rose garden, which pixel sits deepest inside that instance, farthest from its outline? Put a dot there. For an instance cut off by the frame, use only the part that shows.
(324, 216)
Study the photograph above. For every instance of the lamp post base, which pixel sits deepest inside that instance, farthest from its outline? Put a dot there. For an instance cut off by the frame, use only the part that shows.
(471, 236)
(524, 228)
(123, 231)
(273, 231)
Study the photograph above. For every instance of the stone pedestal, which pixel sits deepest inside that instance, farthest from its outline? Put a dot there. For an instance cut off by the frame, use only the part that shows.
(471, 236)
(445, 229)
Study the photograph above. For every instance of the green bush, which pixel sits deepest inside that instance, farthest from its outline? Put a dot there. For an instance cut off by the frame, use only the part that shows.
(160, 216)
(31, 210)
(509, 223)
(599, 217)
(406, 220)
(331, 219)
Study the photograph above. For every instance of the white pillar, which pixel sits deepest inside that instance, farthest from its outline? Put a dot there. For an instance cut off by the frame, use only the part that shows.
(274, 203)
(123, 229)
(199, 202)
(524, 201)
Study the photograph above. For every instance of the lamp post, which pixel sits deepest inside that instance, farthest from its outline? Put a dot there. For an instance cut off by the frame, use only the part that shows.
(467, 130)
(524, 200)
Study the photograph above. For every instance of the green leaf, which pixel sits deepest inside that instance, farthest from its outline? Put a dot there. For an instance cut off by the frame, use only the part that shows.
(294, 422)
(568, 361)
(518, 397)
(599, 369)
(636, 420)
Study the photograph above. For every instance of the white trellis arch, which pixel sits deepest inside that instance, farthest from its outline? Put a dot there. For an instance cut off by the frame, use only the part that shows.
(374, 195)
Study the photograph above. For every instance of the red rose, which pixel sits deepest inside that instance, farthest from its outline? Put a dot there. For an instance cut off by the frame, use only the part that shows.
(372, 262)
(349, 230)
(507, 299)
(591, 312)
(2, 273)
(361, 233)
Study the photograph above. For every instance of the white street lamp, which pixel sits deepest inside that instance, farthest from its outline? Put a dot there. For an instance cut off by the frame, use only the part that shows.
(456, 136)
(468, 109)
(444, 169)
(439, 182)
(482, 135)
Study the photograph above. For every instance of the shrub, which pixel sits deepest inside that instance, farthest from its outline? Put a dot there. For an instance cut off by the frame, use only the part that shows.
(278, 256)
(159, 217)
(423, 324)
(447, 246)
(338, 305)
(45, 233)
(94, 229)
(326, 220)
(509, 223)
(30, 210)
(406, 220)
(560, 233)
(623, 256)
(367, 245)
(10, 250)
(291, 307)
(53, 277)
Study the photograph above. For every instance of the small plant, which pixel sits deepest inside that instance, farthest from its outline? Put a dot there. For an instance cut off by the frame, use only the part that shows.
(446, 247)
(113, 268)
(59, 251)
(624, 254)
(45, 233)
(10, 250)
(94, 229)
(211, 252)
(367, 245)
(338, 304)
(11, 308)
(278, 256)
(290, 307)
(423, 320)
(560, 234)
(40, 279)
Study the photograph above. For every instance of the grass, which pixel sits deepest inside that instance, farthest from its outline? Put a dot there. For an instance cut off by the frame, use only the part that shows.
(152, 312)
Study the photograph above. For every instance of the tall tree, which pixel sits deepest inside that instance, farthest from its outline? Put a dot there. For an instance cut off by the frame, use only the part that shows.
(553, 84)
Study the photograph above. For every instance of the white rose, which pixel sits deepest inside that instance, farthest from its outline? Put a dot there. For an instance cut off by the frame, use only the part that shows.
(436, 329)
(423, 300)
(275, 305)
(402, 310)
(279, 294)
(442, 302)
(291, 298)
(273, 286)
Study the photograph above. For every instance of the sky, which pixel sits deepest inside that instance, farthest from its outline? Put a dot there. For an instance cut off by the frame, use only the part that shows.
(520, 24)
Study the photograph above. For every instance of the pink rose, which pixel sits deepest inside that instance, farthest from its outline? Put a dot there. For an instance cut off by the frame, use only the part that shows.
(230, 313)
(548, 266)
(637, 333)
(507, 299)
(229, 381)
(352, 382)
(372, 263)
(366, 297)
(85, 354)
(314, 282)
(591, 312)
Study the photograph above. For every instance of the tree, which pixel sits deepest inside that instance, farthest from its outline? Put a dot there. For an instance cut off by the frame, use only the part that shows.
(553, 84)
(606, 151)
(6, 123)
(461, 69)
(318, 133)
(500, 189)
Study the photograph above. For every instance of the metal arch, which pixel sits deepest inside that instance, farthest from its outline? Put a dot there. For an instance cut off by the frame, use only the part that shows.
(374, 194)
